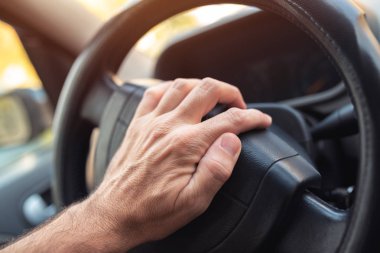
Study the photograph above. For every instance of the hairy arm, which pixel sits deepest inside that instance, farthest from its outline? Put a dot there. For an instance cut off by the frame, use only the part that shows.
(160, 178)
(78, 228)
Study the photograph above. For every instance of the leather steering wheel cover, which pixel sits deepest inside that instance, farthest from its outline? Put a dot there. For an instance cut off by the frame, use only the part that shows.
(339, 27)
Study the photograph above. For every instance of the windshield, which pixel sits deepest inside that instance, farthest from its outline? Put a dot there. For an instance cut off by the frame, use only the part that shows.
(153, 43)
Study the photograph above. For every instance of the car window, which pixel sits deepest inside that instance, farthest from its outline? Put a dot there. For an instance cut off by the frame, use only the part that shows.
(24, 117)
(16, 71)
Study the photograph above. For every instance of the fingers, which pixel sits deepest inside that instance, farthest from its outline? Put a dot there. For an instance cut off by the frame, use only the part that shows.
(151, 98)
(206, 95)
(177, 91)
(233, 120)
(192, 97)
(215, 168)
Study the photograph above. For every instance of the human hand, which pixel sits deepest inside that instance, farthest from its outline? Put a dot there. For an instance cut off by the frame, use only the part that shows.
(170, 165)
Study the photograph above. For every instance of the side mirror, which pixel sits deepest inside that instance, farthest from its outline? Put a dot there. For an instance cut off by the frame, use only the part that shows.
(24, 114)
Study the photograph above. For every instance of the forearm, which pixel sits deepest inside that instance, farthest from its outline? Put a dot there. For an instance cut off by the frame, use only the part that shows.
(76, 229)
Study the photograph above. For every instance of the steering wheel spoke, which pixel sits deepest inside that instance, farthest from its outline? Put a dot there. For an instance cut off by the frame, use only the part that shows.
(103, 91)
(113, 123)
(97, 98)
(312, 226)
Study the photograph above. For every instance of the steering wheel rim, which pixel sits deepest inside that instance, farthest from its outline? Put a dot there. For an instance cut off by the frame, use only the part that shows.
(347, 41)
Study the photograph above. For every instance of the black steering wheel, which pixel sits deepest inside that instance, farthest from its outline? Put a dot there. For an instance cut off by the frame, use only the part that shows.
(266, 204)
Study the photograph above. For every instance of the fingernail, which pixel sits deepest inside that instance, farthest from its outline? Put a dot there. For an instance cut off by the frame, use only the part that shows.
(230, 144)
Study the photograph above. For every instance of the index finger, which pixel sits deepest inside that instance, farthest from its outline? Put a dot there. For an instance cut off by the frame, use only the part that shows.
(234, 121)
(205, 96)
(151, 98)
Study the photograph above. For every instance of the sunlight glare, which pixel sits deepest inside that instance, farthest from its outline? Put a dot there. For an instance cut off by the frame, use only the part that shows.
(213, 13)
(13, 76)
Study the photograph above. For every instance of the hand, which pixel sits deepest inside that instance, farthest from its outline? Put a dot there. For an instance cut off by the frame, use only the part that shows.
(166, 172)
(170, 165)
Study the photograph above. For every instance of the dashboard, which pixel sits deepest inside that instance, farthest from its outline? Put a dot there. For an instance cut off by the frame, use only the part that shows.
(268, 58)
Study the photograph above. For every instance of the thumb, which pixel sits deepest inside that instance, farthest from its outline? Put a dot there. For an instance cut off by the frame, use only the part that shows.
(215, 168)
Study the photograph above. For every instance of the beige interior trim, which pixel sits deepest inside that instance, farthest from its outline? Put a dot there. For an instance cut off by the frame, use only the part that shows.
(66, 22)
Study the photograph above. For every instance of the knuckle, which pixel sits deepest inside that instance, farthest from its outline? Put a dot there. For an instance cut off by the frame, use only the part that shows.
(180, 84)
(185, 145)
(235, 90)
(236, 116)
(151, 93)
(159, 129)
(180, 139)
(218, 170)
(138, 122)
(260, 116)
(208, 80)
(209, 84)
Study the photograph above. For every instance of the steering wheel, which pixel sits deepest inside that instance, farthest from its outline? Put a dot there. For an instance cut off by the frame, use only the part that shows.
(266, 205)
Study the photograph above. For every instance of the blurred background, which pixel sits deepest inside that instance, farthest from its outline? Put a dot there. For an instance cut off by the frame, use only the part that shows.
(16, 70)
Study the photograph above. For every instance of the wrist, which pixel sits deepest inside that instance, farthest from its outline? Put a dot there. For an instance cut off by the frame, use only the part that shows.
(79, 228)
(99, 231)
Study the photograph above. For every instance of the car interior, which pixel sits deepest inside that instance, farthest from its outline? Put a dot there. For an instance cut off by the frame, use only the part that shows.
(308, 184)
